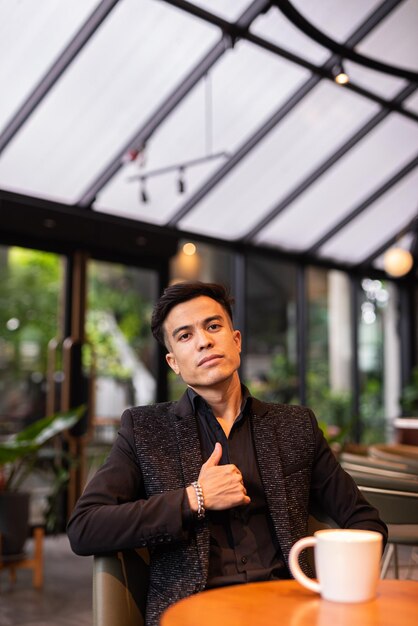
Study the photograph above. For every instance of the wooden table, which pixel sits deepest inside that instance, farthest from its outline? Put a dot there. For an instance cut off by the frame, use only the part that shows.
(288, 604)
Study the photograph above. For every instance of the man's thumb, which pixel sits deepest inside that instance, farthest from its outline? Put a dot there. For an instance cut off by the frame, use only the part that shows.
(215, 457)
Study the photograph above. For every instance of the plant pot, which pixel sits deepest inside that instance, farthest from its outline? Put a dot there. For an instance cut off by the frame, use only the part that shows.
(14, 521)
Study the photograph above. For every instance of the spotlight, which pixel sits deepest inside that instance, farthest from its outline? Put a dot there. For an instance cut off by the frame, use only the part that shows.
(143, 193)
(181, 185)
(339, 75)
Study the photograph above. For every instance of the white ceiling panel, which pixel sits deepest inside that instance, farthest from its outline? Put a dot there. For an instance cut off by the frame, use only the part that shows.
(130, 65)
(344, 186)
(32, 35)
(395, 40)
(227, 9)
(412, 103)
(246, 79)
(311, 132)
(378, 83)
(336, 18)
(374, 227)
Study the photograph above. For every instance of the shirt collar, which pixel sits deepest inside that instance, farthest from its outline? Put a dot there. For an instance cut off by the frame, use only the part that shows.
(196, 400)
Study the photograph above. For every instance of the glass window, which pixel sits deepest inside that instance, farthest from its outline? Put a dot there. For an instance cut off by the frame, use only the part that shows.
(30, 299)
(270, 348)
(379, 359)
(329, 352)
(30, 302)
(120, 351)
(200, 261)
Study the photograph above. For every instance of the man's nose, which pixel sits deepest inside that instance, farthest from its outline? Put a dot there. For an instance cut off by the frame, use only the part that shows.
(204, 340)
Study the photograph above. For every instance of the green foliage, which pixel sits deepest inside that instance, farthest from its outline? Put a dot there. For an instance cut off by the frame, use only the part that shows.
(409, 397)
(101, 352)
(19, 451)
(279, 383)
(30, 284)
(114, 296)
(113, 289)
(332, 408)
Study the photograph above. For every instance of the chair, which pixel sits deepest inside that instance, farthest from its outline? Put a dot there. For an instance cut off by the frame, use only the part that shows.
(23, 561)
(347, 459)
(395, 495)
(120, 581)
(396, 453)
(120, 586)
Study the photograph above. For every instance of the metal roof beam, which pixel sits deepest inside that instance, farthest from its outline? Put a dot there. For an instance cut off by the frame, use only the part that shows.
(342, 50)
(240, 31)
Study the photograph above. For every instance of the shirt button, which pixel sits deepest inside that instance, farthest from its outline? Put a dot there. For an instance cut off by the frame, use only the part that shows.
(244, 559)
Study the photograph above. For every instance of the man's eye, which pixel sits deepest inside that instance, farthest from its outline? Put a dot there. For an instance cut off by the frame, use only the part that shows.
(184, 336)
(214, 326)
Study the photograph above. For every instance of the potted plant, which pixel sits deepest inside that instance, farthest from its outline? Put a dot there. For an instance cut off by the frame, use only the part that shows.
(18, 455)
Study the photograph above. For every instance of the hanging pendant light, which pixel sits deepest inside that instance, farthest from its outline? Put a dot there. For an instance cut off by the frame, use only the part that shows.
(397, 262)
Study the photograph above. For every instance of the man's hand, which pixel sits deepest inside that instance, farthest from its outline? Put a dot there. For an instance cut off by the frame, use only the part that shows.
(222, 485)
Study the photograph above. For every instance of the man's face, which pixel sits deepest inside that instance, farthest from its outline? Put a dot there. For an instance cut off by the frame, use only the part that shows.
(204, 348)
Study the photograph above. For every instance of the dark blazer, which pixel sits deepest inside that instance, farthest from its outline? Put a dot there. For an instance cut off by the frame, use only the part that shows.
(136, 498)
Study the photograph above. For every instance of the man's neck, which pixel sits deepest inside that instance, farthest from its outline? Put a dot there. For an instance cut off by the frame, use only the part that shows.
(224, 399)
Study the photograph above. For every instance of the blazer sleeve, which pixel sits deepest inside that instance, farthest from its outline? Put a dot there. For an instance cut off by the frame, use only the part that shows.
(113, 513)
(333, 489)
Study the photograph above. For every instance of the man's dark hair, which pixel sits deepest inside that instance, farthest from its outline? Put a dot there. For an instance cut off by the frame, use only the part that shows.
(182, 292)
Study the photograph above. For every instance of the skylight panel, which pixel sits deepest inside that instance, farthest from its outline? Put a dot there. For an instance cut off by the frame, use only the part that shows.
(32, 35)
(238, 95)
(131, 64)
(365, 168)
(371, 229)
(313, 130)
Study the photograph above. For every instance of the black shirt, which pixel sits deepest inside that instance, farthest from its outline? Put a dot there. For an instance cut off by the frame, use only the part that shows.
(243, 546)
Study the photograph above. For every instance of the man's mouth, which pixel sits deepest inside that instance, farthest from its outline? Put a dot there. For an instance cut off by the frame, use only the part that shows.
(209, 358)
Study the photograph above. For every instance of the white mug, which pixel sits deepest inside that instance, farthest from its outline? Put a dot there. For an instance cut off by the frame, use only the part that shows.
(347, 563)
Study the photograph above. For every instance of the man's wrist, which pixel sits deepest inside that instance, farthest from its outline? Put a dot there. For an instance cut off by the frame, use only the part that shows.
(199, 500)
(192, 498)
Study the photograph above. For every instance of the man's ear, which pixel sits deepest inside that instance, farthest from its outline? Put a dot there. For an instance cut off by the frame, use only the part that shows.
(237, 339)
(171, 360)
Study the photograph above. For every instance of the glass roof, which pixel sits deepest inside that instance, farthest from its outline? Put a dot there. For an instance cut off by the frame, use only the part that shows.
(175, 114)
(106, 92)
(239, 95)
(375, 226)
(336, 19)
(310, 133)
(346, 185)
(45, 27)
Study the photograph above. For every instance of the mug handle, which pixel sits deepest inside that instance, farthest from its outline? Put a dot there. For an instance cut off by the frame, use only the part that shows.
(294, 566)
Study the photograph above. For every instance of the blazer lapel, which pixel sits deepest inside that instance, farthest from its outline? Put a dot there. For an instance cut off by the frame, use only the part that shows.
(187, 439)
(267, 446)
(191, 461)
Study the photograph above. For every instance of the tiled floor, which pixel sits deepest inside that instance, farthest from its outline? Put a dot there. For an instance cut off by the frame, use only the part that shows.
(66, 597)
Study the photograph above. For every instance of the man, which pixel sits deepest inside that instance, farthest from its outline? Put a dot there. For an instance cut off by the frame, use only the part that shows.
(217, 485)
